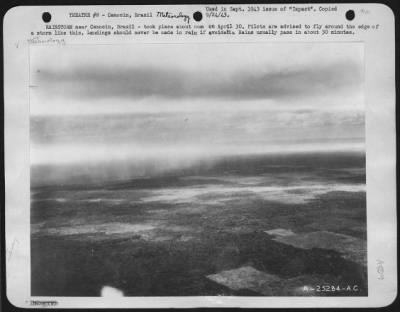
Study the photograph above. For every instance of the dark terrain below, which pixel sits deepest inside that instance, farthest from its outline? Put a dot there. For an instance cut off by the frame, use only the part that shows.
(165, 236)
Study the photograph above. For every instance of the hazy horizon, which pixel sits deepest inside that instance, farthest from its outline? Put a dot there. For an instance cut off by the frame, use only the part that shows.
(130, 106)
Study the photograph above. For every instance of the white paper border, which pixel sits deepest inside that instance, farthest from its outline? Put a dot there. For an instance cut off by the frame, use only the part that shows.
(379, 47)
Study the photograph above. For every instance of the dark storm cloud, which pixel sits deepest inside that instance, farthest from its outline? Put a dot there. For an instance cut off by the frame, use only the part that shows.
(140, 82)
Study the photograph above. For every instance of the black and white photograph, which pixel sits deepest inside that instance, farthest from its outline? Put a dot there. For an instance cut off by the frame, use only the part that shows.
(202, 169)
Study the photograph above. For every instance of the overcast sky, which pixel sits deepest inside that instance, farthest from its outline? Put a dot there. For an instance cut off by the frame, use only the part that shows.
(101, 103)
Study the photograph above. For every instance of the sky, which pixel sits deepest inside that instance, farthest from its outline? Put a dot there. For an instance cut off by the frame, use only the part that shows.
(141, 102)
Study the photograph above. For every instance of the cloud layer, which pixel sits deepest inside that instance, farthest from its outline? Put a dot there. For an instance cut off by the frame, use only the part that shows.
(138, 82)
(180, 104)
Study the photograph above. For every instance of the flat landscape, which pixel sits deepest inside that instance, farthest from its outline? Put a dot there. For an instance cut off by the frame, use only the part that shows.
(291, 225)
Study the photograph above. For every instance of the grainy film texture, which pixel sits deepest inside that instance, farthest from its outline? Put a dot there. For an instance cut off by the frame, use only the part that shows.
(198, 170)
